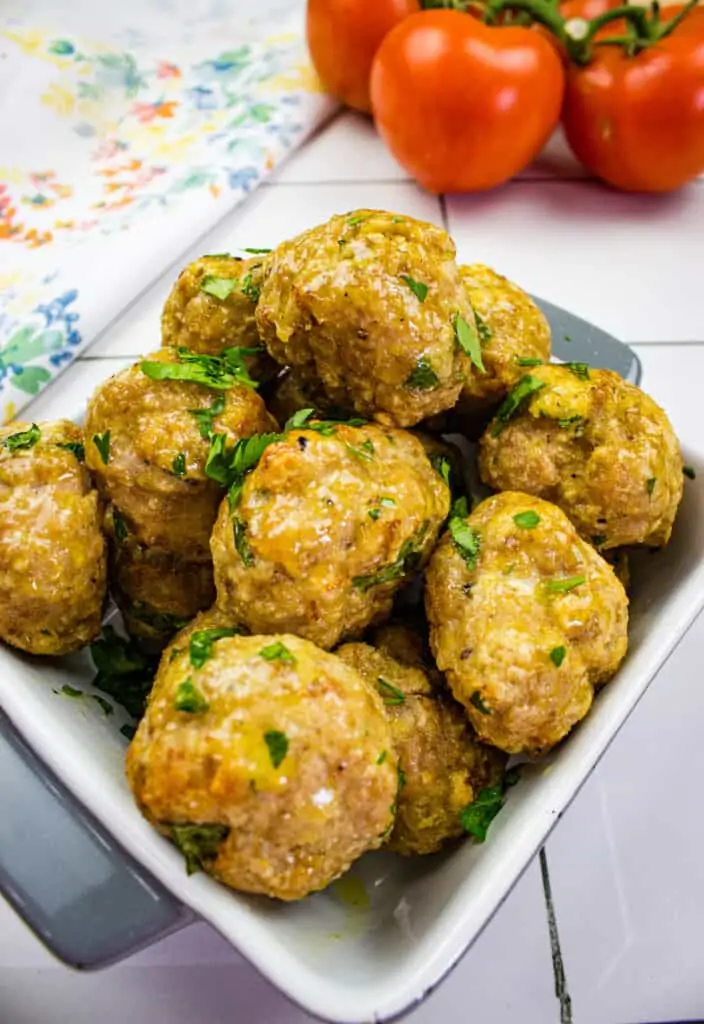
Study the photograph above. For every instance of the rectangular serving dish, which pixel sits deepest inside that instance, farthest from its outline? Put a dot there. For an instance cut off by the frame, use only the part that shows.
(337, 957)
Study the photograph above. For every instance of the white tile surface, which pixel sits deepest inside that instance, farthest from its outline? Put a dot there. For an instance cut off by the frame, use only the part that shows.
(631, 264)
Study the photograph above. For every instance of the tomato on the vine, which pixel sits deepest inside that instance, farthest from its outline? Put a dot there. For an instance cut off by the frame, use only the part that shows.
(344, 35)
(637, 121)
(462, 105)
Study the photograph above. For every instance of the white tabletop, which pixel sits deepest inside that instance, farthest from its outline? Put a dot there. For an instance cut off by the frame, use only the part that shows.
(625, 863)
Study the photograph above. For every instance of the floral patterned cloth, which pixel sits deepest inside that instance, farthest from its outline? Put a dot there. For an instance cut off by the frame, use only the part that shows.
(128, 130)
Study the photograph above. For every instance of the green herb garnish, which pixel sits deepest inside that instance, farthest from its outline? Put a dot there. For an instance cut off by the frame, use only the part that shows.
(241, 543)
(419, 289)
(650, 484)
(200, 646)
(257, 252)
(75, 447)
(513, 401)
(189, 699)
(390, 693)
(229, 465)
(374, 513)
(119, 525)
(476, 701)
(478, 816)
(483, 330)
(566, 422)
(387, 502)
(406, 560)
(353, 221)
(527, 520)
(689, 472)
(250, 289)
(580, 370)
(102, 443)
(123, 672)
(204, 417)
(563, 586)
(23, 439)
(217, 372)
(468, 341)
(442, 466)
(277, 652)
(382, 757)
(277, 742)
(527, 361)
(179, 464)
(466, 540)
(423, 377)
(364, 451)
(199, 844)
(128, 731)
(219, 287)
(102, 703)
(557, 655)
(71, 691)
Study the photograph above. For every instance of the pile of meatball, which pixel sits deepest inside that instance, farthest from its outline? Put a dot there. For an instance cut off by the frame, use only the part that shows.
(261, 496)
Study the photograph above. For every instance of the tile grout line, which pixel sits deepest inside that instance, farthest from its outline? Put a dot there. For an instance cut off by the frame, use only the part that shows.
(558, 965)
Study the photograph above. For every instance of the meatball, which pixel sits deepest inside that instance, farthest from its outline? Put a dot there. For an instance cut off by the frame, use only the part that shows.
(147, 442)
(368, 306)
(262, 758)
(442, 767)
(513, 334)
(526, 619)
(157, 592)
(327, 528)
(593, 444)
(52, 553)
(211, 308)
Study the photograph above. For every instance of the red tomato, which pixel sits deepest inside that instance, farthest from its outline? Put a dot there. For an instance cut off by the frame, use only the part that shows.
(344, 35)
(461, 105)
(638, 122)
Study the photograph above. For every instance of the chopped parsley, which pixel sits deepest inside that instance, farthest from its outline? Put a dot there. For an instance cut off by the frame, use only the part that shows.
(650, 484)
(217, 372)
(567, 337)
(102, 703)
(23, 439)
(442, 466)
(242, 545)
(476, 701)
(528, 361)
(689, 472)
(123, 672)
(557, 655)
(387, 502)
(476, 817)
(277, 652)
(513, 401)
(204, 417)
(179, 464)
(382, 757)
(466, 540)
(423, 377)
(468, 340)
(580, 370)
(128, 731)
(390, 693)
(565, 422)
(229, 465)
(374, 513)
(483, 330)
(200, 646)
(189, 699)
(364, 451)
(401, 779)
(257, 252)
(219, 287)
(250, 289)
(75, 447)
(71, 691)
(564, 585)
(419, 289)
(102, 443)
(199, 844)
(277, 742)
(527, 520)
(406, 560)
(354, 221)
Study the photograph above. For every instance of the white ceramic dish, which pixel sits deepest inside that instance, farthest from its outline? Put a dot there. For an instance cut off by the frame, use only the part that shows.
(349, 963)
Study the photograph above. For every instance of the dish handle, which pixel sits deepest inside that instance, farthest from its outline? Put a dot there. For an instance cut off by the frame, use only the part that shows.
(87, 900)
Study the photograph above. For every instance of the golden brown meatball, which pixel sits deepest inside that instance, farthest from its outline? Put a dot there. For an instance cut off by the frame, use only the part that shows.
(211, 308)
(261, 757)
(593, 444)
(366, 305)
(147, 444)
(526, 619)
(52, 552)
(513, 333)
(327, 528)
(442, 766)
(157, 592)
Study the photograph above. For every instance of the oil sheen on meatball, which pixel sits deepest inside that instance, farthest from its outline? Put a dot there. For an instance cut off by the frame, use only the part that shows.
(52, 552)
(593, 444)
(366, 304)
(526, 619)
(261, 758)
(327, 528)
(442, 767)
(147, 444)
(513, 333)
